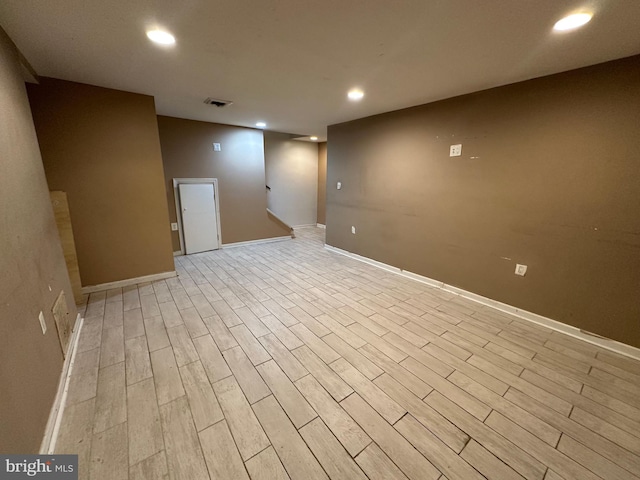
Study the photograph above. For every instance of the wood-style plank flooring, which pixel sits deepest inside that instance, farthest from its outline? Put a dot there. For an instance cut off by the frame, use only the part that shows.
(283, 360)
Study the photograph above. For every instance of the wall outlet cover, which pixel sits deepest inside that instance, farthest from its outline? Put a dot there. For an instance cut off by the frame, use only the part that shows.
(353, 230)
(455, 150)
(174, 227)
(217, 147)
(521, 270)
(339, 185)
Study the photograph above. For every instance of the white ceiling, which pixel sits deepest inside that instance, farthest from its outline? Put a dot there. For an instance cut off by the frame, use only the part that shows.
(291, 62)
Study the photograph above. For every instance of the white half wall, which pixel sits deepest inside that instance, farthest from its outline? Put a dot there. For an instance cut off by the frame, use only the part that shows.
(291, 168)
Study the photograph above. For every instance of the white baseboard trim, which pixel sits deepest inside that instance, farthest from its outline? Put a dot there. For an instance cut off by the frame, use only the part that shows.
(305, 225)
(360, 258)
(50, 438)
(255, 242)
(594, 339)
(129, 281)
(177, 253)
(321, 225)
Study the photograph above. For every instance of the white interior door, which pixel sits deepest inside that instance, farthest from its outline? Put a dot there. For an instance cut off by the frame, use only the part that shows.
(199, 222)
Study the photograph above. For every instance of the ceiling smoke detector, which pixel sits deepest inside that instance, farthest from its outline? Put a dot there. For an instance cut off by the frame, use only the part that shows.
(217, 103)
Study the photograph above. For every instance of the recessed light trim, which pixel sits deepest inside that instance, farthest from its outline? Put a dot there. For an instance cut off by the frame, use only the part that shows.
(313, 139)
(161, 37)
(355, 94)
(573, 21)
(261, 124)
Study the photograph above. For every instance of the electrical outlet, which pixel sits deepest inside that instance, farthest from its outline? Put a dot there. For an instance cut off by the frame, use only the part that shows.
(43, 324)
(174, 227)
(339, 185)
(353, 230)
(521, 270)
(455, 150)
(217, 147)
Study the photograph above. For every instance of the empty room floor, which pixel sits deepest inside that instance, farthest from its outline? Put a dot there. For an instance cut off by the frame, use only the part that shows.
(284, 360)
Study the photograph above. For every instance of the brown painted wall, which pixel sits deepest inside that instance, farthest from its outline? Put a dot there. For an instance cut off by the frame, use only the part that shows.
(548, 177)
(32, 269)
(322, 182)
(101, 146)
(187, 152)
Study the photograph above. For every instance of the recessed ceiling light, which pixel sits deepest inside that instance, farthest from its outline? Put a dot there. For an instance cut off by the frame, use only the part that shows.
(314, 138)
(355, 94)
(161, 37)
(261, 124)
(572, 21)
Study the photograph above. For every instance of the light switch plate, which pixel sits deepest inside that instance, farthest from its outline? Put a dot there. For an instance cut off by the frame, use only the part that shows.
(455, 150)
(339, 185)
(217, 147)
(353, 230)
(174, 227)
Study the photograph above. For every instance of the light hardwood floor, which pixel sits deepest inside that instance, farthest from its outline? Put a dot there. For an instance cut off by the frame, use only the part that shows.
(284, 360)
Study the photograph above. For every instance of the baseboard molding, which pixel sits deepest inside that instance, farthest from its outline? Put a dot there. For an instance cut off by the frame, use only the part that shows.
(320, 225)
(305, 225)
(128, 281)
(177, 253)
(256, 242)
(360, 258)
(594, 339)
(50, 438)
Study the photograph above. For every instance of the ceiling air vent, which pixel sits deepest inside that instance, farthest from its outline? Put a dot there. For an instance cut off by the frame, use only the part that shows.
(217, 103)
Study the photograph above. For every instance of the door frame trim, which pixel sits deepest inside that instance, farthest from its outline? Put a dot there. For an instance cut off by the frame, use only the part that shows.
(176, 197)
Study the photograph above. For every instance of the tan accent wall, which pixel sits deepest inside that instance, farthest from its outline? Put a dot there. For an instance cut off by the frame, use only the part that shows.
(548, 177)
(187, 152)
(291, 169)
(101, 146)
(32, 271)
(322, 183)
